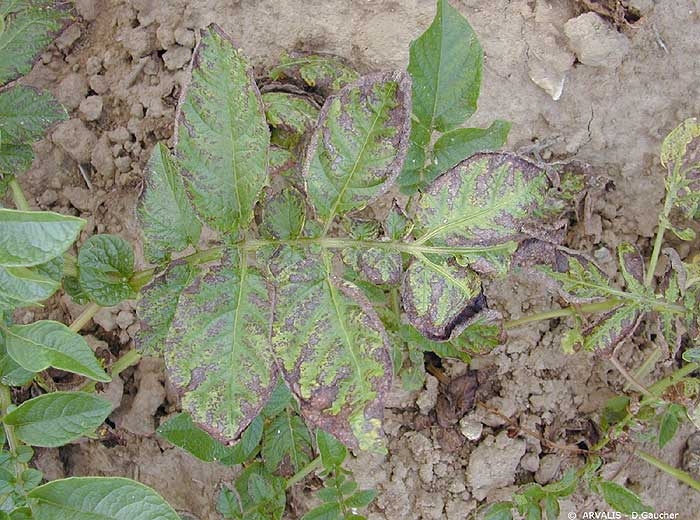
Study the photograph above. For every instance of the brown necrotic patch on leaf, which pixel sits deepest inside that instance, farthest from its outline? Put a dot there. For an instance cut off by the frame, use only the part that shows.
(441, 299)
(217, 351)
(359, 145)
(331, 347)
(375, 265)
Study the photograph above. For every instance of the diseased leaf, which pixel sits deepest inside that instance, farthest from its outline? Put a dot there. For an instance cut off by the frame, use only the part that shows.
(453, 147)
(325, 72)
(217, 350)
(359, 145)
(222, 135)
(621, 499)
(445, 65)
(157, 303)
(612, 328)
(632, 267)
(20, 286)
(106, 265)
(28, 29)
(581, 280)
(164, 213)
(331, 347)
(44, 344)
(374, 264)
(58, 418)
(484, 201)
(283, 215)
(284, 164)
(397, 224)
(286, 437)
(290, 114)
(441, 298)
(26, 114)
(669, 423)
(103, 498)
(29, 238)
(680, 153)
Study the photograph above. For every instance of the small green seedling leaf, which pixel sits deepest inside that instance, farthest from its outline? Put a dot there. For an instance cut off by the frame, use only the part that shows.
(284, 215)
(29, 28)
(397, 224)
(106, 265)
(165, 215)
(157, 303)
(44, 344)
(621, 499)
(440, 299)
(324, 72)
(261, 495)
(29, 238)
(103, 498)
(55, 419)
(26, 114)
(499, 511)
(331, 347)
(222, 135)
(217, 351)
(669, 423)
(359, 145)
(286, 437)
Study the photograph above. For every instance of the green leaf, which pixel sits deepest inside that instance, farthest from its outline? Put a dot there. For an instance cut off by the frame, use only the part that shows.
(331, 450)
(157, 304)
(28, 29)
(261, 495)
(227, 502)
(359, 145)
(29, 238)
(568, 483)
(482, 202)
(11, 373)
(106, 265)
(397, 224)
(499, 511)
(331, 347)
(292, 114)
(445, 65)
(183, 433)
(55, 419)
(283, 215)
(286, 436)
(324, 72)
(669, 423)
(44, 344)
(165, 215)
(550, 506)
(222, 135)
(103, 498)
(217, 351)
(453, 147)
(14, 160)
(440, 299)
(327, 511)
(621, 499)
(581, 281)
(26, 114)
(245, 449)
(20, 286)
(361, 499)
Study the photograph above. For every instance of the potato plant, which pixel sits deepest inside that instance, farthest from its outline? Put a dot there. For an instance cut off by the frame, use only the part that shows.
(282, 333)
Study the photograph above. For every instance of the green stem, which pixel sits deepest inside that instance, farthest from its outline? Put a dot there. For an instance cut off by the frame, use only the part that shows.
(12, 441)
(661, 230)
(85, 317)
(129, 359)
(18, 195)
(681, 475)
(303, 472)
(587, 308)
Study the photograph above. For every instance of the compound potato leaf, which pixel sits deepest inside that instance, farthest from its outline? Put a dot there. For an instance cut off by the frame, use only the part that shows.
(324, 72)
(106, 265)
(58, 418)
(164, 213)
(484, 201)
(440, 299)
(20, 286)
(28, 29)
(445, 65)
(217, 351)
(359, 145)
(29, 238)
(331, 347)
(26, 114)
(93, 498)
(157, 303)
(222, 135)
(44, 344)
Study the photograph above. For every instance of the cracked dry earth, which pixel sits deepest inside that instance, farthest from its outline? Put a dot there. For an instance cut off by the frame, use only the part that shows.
(575, 82)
